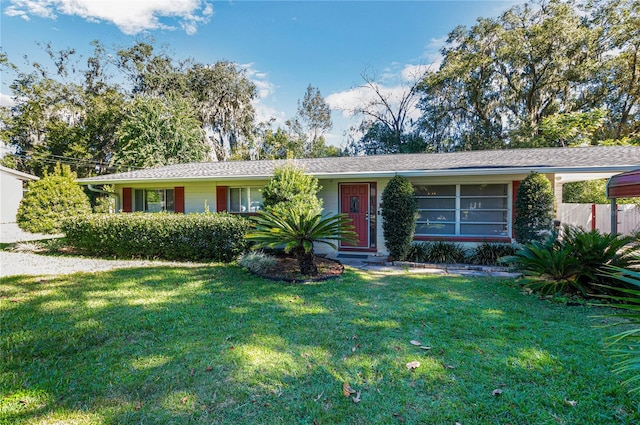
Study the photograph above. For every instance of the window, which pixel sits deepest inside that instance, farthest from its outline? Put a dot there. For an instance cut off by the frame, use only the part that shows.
(475, 210)
(154, 200)
(245, 199)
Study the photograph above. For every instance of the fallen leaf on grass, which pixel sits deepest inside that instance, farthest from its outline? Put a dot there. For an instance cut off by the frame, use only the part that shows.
(356, 398)
(448, 366)
(184, 400)
(497, 392)
(570, 402)
(425, 347)
(414, 342)
(413, 365)
(347, 390)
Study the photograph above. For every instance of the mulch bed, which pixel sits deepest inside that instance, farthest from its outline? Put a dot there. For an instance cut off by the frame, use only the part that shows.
(287, 270)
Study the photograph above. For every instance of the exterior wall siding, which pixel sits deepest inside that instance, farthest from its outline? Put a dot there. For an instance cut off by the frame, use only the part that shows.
(198, 196)
(11, 189)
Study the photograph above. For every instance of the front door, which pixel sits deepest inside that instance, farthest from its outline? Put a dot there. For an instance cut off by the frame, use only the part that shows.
(354, 201)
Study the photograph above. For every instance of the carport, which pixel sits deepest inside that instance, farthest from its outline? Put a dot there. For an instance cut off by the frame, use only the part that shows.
(625, 185)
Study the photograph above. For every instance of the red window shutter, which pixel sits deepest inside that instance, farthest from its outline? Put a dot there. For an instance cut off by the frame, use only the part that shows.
(127, 199)
(514, 196)
(221, 198)
(178, 199)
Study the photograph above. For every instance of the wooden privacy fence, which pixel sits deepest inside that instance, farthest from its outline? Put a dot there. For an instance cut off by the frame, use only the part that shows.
(598, 216)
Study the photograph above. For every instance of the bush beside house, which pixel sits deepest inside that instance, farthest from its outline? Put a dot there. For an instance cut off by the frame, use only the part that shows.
(399, 214)
(50, 200)
(216, 237)
(534, 209)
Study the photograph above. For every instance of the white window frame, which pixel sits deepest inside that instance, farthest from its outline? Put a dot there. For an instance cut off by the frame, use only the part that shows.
(458, 222)
(145, 202)
(253, 205)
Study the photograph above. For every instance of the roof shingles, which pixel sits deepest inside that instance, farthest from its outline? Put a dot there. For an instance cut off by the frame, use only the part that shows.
(609, 158)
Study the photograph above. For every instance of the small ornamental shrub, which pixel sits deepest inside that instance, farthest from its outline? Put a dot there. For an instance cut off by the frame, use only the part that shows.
(418, 252)
(215, 237)
(51, 200)
(572, 261)
(257, 262)
(534, 209)
(488, 254)
(399, 214)
(290, 187)
(446, 253)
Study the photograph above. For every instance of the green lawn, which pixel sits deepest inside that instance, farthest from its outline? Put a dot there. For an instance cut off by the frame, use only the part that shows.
(216, 345)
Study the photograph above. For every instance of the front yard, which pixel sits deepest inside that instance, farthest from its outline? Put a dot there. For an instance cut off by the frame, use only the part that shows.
(214, 344)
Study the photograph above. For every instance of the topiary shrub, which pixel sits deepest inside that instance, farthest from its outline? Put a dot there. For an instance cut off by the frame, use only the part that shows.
(50, 200)
(534, 209)
(216, 237)
(399, 214)
(290, 187)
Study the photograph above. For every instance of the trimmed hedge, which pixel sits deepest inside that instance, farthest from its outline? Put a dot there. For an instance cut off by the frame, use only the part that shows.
(216, 237)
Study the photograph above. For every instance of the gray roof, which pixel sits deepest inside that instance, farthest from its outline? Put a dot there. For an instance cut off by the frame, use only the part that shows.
(511, 161)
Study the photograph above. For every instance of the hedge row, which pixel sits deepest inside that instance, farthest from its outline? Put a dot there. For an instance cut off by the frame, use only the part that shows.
(216, 237)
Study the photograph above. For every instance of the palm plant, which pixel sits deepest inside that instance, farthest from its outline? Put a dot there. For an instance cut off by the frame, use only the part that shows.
(297, 230)
(626, 344)
(552, 262)
(571, 261)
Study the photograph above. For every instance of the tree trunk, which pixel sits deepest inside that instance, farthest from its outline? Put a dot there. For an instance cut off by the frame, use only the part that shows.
(307, 262)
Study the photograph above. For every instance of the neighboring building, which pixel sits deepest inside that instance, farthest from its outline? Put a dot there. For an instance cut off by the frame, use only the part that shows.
(11, 189)
(462, 196)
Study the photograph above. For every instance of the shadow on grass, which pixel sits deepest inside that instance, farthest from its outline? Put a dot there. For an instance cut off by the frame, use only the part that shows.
(213, 344)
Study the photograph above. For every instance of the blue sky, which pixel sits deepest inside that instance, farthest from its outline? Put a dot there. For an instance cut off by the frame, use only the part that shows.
(283, 45)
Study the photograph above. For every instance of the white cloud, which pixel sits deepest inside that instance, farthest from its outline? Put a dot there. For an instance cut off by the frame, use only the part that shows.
(6, 101)
(130, 16)
(432, 52)
(266, 89)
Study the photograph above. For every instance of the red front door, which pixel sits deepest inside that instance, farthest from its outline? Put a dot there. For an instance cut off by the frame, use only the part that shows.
(354, 201)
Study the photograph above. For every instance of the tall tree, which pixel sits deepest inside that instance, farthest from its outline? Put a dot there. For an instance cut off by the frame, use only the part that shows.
(502, 77)
(159, 131)
(619, 71)
(312, 121)
(387, 126)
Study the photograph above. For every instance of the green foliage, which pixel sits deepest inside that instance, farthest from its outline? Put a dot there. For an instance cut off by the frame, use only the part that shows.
(50, 200)
(440, 252)
(534, 209)
(446, 253)
(399, 214)
(585, 192)
(290, 187)
(159, 131)
(418, 252)
(215, 237)
(489, 254)
(572, 261)
(537, 76)
(571, 128)
(589, 192)
(298, 230)
(625, 346)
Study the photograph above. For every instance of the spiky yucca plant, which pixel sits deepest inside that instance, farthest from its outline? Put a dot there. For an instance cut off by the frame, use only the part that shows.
(297, 230)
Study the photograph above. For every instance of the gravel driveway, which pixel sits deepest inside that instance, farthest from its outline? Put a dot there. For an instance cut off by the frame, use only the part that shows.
(20, 263)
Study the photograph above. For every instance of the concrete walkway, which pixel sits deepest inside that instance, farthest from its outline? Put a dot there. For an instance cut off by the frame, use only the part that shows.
(379, 264)
(11, 233)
